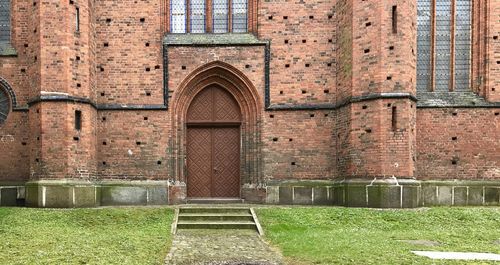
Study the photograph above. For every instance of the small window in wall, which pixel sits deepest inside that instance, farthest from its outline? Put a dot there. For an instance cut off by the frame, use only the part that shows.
(220, 16)
(4, 105)
(240, 20)
(197, 16)
(4, 21)
(178, 16)
(78, 120)
(77, 19)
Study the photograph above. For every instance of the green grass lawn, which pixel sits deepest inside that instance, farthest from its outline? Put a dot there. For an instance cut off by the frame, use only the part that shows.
(84, 236)
(366, 236)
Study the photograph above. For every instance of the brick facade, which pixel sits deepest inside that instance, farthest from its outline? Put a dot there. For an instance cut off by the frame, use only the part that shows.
(327, 91)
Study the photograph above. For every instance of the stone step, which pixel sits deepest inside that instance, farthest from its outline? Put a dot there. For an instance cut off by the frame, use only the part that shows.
(214, 200)
(216, 225)
(219, 210)
(216, 217)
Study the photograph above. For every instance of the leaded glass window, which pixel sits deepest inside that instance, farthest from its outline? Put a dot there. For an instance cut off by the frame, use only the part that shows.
(239, 10)
(220, 16)
(178, 16)
(4, 21)
(197, 16)
(443, 45)
(4, 105)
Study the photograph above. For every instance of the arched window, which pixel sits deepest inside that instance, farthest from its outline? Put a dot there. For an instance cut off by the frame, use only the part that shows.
(444, 45)
(204, 16)
(4, 105)
(4, 21)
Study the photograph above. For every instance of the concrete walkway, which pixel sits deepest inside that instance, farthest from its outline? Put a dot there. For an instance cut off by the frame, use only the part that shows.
(242, 247)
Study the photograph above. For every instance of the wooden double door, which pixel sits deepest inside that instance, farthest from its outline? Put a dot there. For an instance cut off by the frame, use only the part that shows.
(213, 144)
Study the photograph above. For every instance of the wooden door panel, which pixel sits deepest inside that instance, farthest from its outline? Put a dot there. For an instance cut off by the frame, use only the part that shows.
(199, 162)
(226, 161)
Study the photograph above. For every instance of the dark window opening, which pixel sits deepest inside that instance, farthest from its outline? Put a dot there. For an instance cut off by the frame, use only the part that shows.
(77, 18)
(4, 21)
(394, 19)
(78, 120)
(394, 119)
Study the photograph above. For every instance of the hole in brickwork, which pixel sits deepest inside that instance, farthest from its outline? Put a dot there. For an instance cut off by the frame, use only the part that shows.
(108, 20)
(147, 44)
(454, 138)
(454, 114)
(329, 64)
(287, 65)
(103, 118)
(142, 20)
(102, 69)
(71, 2)
(247, 66)
(293, 163)
(281, 92)
(368, 130)
(104, 143)
(326, 91)
(102, 94)
(307, 65)
(389, 78)
(367, 50)
(158, 162)
(23, 143)
(304, 41)
(367, 24)
(492, 89)
(391, 48)
(330, 16)
(285, 17)
(26, 45)
(311, 115)
(106, 44)
(270, 17)
(103, 163)
(76, 138)
(286, 41)
(78, 85)
(326, 114)
(35, 59)
(146, 118)
(311, 17)
(37, 160)
(365, 107)
(34, 3)
(497, 113)
(330, 40)
(34, 31)
(23, 70)
(148, 69)
(303, 91)
(157, 67)
(495, 37)
(78, 58)
(38, 138)
(148, 94)
(275, 139)
(271, 116)
(138, 143)
(183, 67)
(290, 140)
(454, 161)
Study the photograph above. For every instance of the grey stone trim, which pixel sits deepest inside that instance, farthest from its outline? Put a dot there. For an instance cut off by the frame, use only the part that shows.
(6, 50)
(212, 39)
(78, 193)
(463, 99)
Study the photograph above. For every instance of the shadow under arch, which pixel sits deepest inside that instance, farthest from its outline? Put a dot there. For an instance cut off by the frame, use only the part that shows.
(244, 92)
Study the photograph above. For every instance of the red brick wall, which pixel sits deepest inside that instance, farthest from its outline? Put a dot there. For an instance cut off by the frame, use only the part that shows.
(476, 147)
(493, 55)
(310, 75)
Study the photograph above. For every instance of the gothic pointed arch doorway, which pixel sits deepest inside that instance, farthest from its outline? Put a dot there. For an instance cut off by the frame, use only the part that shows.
(213, 144)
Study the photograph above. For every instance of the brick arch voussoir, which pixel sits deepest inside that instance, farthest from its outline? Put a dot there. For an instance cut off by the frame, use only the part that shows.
(6, 87)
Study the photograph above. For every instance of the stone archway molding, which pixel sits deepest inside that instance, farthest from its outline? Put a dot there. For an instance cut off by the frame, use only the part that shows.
(242, 89)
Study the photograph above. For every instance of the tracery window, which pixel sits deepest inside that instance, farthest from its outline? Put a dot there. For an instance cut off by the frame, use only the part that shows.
(4, 105)
(444, 45)
(4, 21)
(209, 16)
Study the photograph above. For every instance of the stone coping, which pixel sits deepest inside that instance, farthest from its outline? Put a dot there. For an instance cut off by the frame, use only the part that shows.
(70, 182)
(382, 181)
(459, 99)
(226, 39)
(6, 49)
